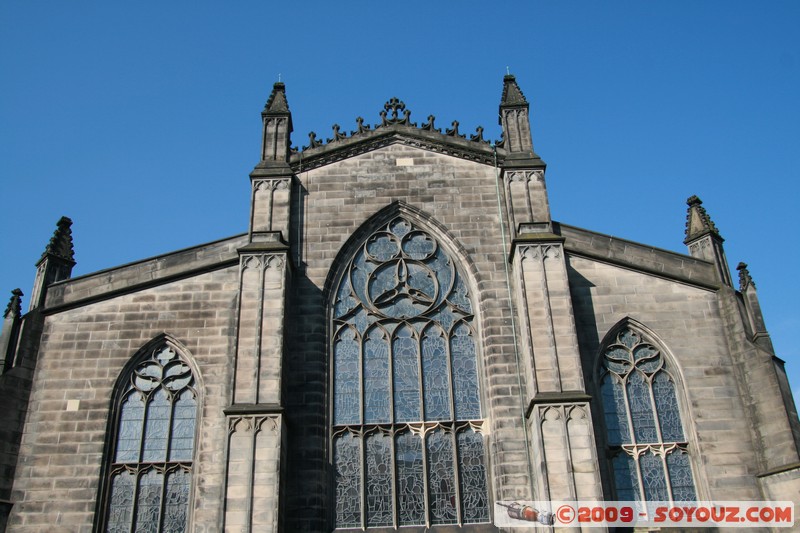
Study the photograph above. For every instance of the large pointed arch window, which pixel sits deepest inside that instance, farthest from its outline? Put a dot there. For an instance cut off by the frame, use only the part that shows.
(644, 431)
(407, 434)
(149, 470)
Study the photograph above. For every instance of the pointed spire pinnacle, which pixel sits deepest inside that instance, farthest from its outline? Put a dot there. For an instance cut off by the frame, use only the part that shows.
(277, 102)
(745, 279)
(698, 223)
(512, 94)
(60, 244)
(14, 308)
(276, 131)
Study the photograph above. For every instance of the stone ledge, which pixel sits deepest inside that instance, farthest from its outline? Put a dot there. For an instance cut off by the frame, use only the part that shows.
(638, 257)
(136, 276)
(557, 397)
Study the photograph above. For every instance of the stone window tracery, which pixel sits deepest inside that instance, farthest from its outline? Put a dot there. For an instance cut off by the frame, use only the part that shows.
(407, 434)
(149, 474)
(646, 439)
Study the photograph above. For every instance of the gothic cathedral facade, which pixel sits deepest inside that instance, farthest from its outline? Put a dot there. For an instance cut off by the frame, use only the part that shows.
(403, 337)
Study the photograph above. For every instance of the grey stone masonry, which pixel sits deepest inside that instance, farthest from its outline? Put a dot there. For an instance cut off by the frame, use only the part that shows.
(255, 318)
(83, 350)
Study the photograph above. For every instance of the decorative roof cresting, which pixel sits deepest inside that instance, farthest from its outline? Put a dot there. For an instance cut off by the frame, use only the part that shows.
(394, 114)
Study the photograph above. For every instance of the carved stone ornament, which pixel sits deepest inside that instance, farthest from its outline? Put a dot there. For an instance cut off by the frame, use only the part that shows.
(394, 113)
(745, 279)
(14, 308)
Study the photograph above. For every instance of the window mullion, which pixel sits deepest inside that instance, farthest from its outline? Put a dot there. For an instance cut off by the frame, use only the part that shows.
(162, 501)
(362, 396)
(637, 452)
(667, 479)
(449, 358)
(420, 377)
(390, 363)
(363, 457)
(395, 486)
(425, 480)
(624, 383)
(135, 507)
(656, 419)
(457, 476)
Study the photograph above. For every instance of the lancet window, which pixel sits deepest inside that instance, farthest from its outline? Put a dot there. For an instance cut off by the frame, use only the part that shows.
(407, 434)
(149, 473)
(644, 431)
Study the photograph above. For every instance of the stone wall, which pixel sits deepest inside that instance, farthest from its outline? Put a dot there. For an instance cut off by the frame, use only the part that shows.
(686, 319)
(82, 353)
(333, 202)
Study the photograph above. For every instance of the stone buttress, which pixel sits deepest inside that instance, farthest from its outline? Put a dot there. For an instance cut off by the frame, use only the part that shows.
(256, 426)
(561, 435)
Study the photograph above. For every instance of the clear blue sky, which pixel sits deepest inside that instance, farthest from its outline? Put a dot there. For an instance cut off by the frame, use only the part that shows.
(141, 120)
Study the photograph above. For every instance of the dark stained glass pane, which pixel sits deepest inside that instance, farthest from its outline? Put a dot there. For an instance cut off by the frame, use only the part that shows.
(347, 393)
(405, 358)
(403, 353)
(616, 413)
(129, 437)
(618, 360)
(647, 358)
(176, 502)
(379, 480)
(441, 482)
(644, 425)
(148, 505)
(181, 444)
(382, 246)
(153, 436)
(465, 374)
(156, 430)
(472, 474)
(436, 382)
(680, 477)
(410, 483)
(120, 512)
(459, 297)
(655, 484)
(376, 378)
(347, 471)
(626, 479)
(667, 408)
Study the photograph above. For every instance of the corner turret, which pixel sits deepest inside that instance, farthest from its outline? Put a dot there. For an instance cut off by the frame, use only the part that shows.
(704, 240)
(56, 262)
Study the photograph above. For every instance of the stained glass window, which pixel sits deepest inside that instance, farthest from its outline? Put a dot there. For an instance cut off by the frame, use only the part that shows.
(149, 475)
(648, 446)
(407, 432)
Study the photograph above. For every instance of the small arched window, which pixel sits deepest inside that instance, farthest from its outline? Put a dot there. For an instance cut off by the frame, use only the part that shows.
(149, 469)
(407, 432)
(644, 432)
